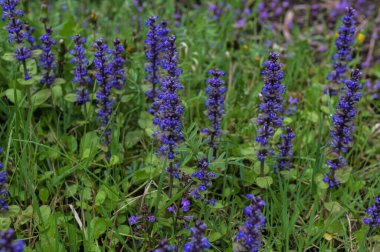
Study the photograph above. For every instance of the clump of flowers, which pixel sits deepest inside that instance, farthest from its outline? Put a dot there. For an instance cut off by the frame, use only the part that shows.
(80, 69)
(373, 220)
(165, 247)
(250, 234)
(216, 10)
(342, 128)
(205, 178)
(155, 47)
(286, 149)
(215, 106)
(169, 108)
(16, 32)
(140, 223)
(271, 106)
(103, 96)
(272, 9)
(198, 242)
(118, 72)
(47, 58)
(3, 184)
(8, 242)
(343, 55)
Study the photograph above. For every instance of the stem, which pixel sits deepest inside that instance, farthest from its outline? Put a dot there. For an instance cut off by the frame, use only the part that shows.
(262, 169)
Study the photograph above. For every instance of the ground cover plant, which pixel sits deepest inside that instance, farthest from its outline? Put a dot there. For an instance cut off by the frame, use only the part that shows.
(189, 125)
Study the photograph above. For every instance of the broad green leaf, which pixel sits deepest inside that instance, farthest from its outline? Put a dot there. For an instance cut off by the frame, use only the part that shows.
(10, 94)
(71, 97)
(264, 182)
(40, 97)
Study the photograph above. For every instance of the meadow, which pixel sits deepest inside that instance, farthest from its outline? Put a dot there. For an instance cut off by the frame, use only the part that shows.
(189, 125)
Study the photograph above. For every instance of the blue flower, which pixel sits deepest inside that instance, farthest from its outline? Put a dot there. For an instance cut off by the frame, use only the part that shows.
(271, 105)
(47, 58)
(250, 234)
(8, 242)
(373, 220)
(198, 242)
(103, 96)
(155, 48)
(134, 219)
(342, 127)
(168, 107)
(215, 106)
(343, 54)
(80, 69)
(185, 205)
(203, 175)
(286, 149)
(117, 65)
(16, 34)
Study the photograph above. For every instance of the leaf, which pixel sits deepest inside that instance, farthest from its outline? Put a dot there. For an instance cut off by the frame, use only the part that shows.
(264, 182)
(124, 230)
(214, 236)
(10, 94)
(29, 82)
(9, 57)
(56, 92)
(40, 97)
(98, 226)
(43, 194)
(114, 160)
(45, 212)
(59, 81)
(100, 198)
(5, 223)
(71, 97)
(132, 138)
(333, 207)
(88, 144)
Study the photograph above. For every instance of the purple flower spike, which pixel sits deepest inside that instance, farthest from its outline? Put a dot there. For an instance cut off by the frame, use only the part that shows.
(271, 105)
(47, 58)
(250, 234)
(203, 175)
(198, 242)
(8, 242)
(104, 97)
(373, 220)
(80, 69)
(155, 44)
(118, 72)
(168, 104)
(215, 106)
(343, 127)
(343, 55)
(16, 34)
(286, 149)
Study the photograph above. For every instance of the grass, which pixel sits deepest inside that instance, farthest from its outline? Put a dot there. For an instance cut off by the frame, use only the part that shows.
(64, 195)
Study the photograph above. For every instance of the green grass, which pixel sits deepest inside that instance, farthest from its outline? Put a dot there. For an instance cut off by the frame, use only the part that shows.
(64, 195)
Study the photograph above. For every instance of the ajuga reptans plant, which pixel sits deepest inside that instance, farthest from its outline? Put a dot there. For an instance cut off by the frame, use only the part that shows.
(16, 32)
(215, 107)
(198, 241)
(47, 59)
(286, 149)
(342, 128)
(250, 235)
(169, 108)
(155, 47)
(103, 96)
(270, 117)
(117, 65)
(80, 69)
(8, 242)
(343, 54)
(373, 220)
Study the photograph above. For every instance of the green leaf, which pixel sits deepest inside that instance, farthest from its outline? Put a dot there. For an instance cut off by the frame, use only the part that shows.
(124, 230)
(5, 223)
(59, 81)
(100, 198)
(333, 207)
(29, 82)
(98, 226)
(40, 97)
(114, 160)
(10, 94)
(43, 194)
(71, 97)
(214, 236)
(45, 213)
(9, 57)
(56, 92)
(132, 138)
(264, 182)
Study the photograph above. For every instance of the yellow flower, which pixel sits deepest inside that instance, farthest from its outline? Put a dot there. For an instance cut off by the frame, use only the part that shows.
(360, 38)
